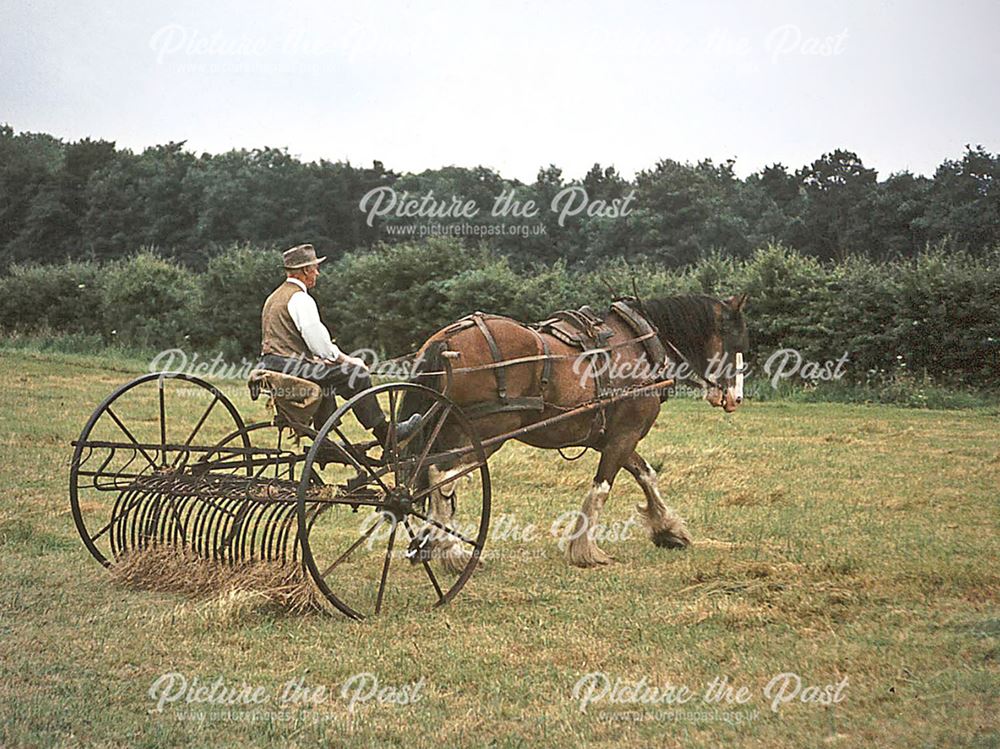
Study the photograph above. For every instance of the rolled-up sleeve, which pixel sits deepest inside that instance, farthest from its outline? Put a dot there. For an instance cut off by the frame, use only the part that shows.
(305, 315)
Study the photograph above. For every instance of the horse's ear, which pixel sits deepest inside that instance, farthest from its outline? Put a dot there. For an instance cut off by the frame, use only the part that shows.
(737, 302)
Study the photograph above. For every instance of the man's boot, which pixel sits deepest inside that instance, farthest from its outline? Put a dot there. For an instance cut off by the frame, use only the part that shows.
(404, 429)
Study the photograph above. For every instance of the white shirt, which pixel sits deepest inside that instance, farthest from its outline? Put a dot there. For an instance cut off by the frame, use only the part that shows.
(305, 315)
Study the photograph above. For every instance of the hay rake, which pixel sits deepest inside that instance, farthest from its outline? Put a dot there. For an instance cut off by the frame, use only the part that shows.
(167, 462)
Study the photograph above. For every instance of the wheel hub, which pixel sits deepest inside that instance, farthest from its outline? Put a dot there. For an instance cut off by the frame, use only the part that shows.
(399, 503)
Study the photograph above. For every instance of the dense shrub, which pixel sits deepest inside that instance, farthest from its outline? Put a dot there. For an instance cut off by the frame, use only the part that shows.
(788, 296)
(149, 302)
(67, 297)
(932, 320)
(233, 288)
(948, 316)
(393, 298)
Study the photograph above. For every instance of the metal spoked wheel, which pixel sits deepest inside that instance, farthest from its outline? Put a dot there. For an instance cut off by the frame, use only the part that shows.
(406, 528)
(142, 436)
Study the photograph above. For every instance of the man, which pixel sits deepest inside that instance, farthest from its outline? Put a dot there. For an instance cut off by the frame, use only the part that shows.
(295, 341)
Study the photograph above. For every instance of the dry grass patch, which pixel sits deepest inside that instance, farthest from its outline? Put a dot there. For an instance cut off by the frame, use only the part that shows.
(173, 570)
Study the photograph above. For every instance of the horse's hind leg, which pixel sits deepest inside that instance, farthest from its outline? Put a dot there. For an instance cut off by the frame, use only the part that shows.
(453, 554)
(583, 550)
(666, 527)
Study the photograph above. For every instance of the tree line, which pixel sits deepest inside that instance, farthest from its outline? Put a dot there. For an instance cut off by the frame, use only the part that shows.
(89, 200)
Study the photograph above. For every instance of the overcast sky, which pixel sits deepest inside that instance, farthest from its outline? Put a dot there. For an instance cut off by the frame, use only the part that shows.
(513, 85)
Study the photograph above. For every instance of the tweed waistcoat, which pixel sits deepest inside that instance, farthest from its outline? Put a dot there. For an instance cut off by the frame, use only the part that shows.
(278, 332)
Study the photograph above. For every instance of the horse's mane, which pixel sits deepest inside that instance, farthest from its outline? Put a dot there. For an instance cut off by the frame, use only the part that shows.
(686, 321)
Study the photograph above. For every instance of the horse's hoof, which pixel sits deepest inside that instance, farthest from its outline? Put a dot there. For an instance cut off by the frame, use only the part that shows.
(667, 540)
(598, 559)
(420, 549)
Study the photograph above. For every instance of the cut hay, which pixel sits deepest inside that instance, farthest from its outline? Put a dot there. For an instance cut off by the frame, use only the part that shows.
(168, 569)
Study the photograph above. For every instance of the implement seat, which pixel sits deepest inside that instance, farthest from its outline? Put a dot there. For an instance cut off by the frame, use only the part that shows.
(293, 400)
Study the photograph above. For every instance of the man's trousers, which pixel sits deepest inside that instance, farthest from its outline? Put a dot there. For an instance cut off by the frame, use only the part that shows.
(335, 379)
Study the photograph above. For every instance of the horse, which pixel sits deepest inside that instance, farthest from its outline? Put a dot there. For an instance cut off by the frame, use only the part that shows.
(507, 376)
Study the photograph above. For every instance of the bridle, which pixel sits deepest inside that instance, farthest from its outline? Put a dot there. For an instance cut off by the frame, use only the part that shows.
(711, 382)
(705, 382)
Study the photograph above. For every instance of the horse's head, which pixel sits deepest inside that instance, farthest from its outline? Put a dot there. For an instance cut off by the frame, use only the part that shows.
(726, 352)
(707, 339)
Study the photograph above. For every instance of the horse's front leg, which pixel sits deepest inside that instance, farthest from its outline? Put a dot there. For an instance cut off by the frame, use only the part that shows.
(666, 527)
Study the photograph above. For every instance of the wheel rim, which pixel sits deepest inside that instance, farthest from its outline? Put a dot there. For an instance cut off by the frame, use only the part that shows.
(359, 560)
(150, 426)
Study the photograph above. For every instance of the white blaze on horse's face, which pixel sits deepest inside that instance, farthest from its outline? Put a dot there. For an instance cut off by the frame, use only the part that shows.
(739, 377)
(730, 394)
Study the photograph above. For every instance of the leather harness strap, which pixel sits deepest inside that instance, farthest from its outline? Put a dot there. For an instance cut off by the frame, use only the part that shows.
(582, 329)
(499, 372)
(506, 403)
(656, 352)
(546, 352)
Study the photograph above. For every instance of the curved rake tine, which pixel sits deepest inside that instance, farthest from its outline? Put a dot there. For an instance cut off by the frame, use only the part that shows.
(177, 529)
(119, 516)
(270, 527)
(258, 514)
(219, 535)
(286, 533)
(149, 516)
(189, 517)
(278, 535)
(139, 517)
(235, 529)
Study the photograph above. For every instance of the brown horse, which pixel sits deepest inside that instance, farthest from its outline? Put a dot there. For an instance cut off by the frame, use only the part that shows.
(701, 337)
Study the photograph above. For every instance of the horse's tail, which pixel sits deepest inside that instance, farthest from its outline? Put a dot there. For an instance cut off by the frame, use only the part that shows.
(427, 372)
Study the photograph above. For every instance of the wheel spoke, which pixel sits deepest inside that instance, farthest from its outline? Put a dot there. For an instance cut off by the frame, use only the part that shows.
(393, 438)
(430, 442)
(445, 528)
(436, 406)
(198, 426)
(424, 563)
(385, 568)
(163, 426)
(356, 544)
(128, 434)
(446, 480)
(103, 530)
(347, 502)
(346, 450)
(353, 562)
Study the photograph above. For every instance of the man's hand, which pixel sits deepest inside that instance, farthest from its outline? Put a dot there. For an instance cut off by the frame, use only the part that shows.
(352, 361)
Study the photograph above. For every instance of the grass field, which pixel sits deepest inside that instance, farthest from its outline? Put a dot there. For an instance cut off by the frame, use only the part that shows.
(832, 541)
